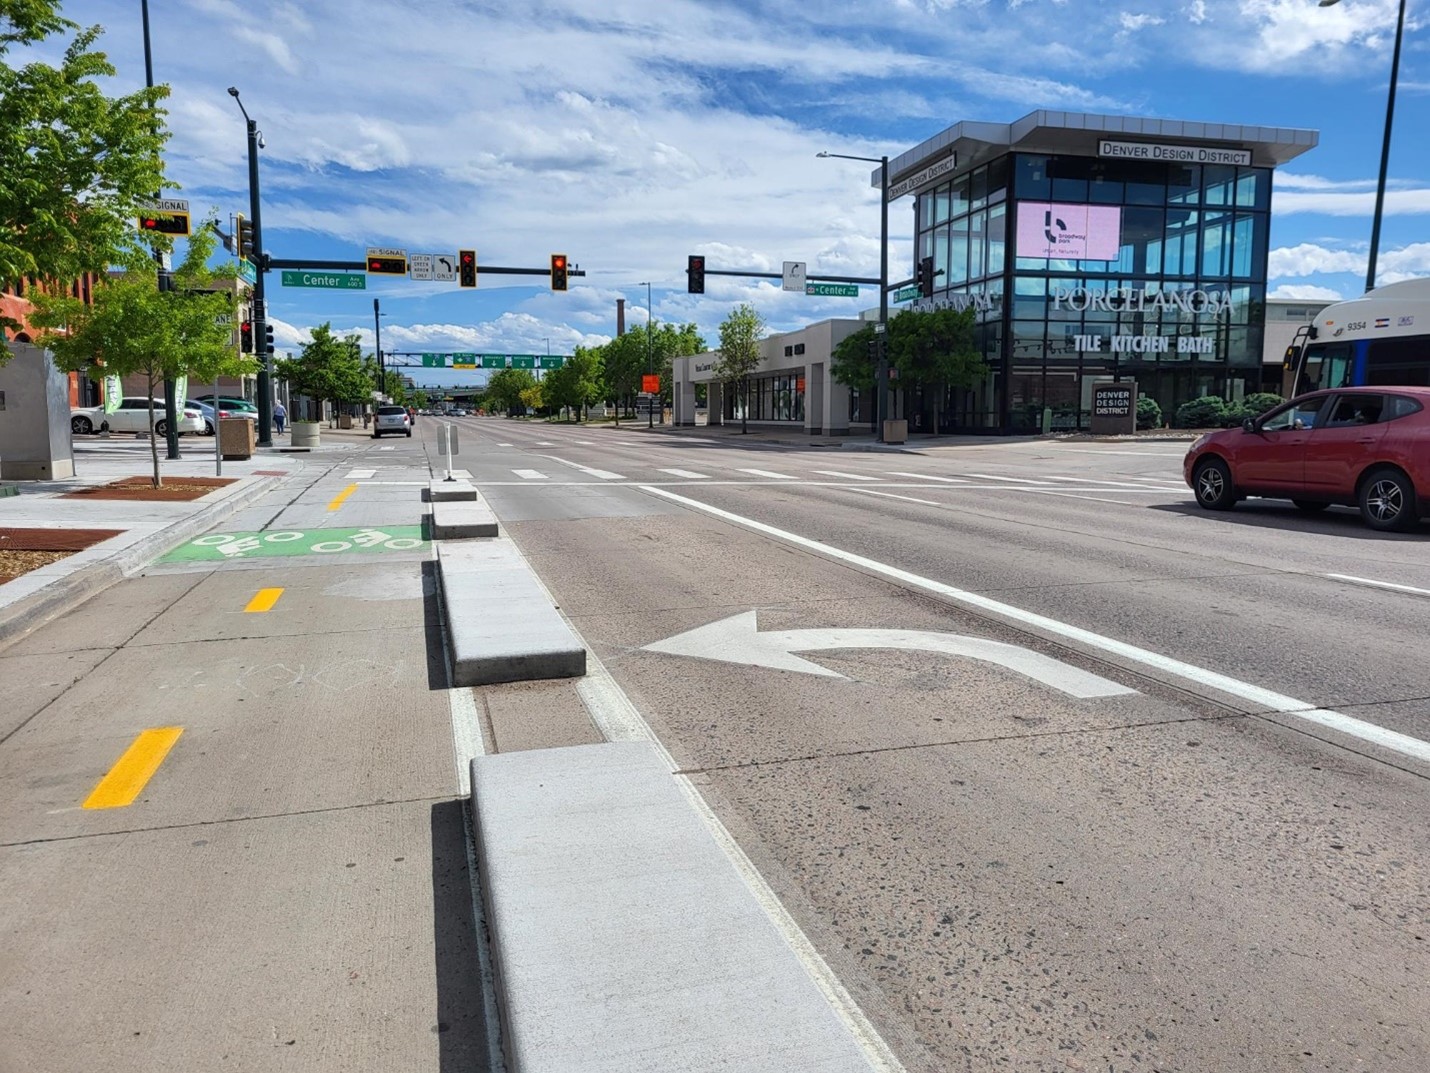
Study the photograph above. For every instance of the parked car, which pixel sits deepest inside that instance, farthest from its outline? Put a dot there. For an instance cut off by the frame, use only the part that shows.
(1367, 447)
(223, 412)
(391, 419)
(132, 415)
(240, 407)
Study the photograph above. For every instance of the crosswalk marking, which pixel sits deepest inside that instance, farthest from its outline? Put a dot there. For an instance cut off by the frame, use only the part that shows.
(599, 474)
(545, 443)
(389, 447)
(530, 474)
(1010, 480)
(930, 477)
(767, 473)
(503, 445)
(846, 476)
(361, 474)
(687, 474)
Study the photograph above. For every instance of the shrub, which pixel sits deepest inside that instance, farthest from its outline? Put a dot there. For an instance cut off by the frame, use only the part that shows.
(1252, 406)
(1209, 411)
(1149, 414)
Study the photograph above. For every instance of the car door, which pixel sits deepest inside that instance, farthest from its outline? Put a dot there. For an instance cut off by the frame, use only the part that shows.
(1270, 460)
(132, 416)
(1344, 443)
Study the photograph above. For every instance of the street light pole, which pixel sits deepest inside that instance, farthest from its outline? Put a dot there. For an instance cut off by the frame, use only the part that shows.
(259, 318)
(1384, 146)
(377, 345)
(881, 374)
(165, 282)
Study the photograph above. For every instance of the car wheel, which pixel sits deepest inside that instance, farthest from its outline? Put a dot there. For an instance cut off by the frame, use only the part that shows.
(1387, 501)
(1310, 506)
(1212, 484)
(82, 425)
(208, 427)
(409, 434)
(161, 427)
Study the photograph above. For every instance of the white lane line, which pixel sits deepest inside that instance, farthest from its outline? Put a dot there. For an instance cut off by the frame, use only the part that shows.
(1381, 584)
(891, 495)
(588, 443)
(530, 474)
(503, 445)
(846, 476)
(1010, 480)
(688, 474)
(1254, 694)
(926, 477)
(545, 443)
(361, 474)
(1091, 499)
(1148, 454)
(599, 474)
(389, 448)
(618, 720)
(770, 474)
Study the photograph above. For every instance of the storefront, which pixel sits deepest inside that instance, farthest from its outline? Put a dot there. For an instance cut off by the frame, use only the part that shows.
(1095, 248)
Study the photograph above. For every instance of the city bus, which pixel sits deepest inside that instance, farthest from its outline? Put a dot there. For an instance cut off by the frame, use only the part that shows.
(1381, 338)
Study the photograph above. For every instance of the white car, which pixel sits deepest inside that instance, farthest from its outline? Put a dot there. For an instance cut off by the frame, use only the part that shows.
(132, 415)
(391, 419)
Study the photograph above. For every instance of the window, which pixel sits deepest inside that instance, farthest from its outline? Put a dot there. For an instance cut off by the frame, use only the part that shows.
(1400, 406)
(1293, 416)
(134, 404)
(1398, 361)
(1350, 410)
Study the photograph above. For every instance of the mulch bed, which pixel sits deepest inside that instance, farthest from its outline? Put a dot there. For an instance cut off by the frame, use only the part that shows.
(23, 550)
(175, 489)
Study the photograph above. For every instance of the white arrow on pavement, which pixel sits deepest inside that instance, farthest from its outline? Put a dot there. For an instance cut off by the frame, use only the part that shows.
(738, 640)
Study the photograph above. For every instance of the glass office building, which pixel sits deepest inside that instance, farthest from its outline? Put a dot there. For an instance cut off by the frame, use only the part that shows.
(1094, 248)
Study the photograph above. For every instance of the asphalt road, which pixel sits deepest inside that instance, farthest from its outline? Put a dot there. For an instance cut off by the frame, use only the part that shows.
(1198, 875)
(1055, 770)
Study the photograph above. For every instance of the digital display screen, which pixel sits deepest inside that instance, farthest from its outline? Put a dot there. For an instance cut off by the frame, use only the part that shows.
(1069, 232)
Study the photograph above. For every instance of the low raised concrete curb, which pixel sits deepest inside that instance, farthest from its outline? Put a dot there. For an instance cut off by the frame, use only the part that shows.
(501, 624)
(623, 938)
(462, 520)
(450, 492)
(19, 617)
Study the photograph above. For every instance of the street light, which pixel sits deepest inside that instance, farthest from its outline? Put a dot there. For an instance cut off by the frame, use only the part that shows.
(377, 316)
(649, 359)
(1384, 145)
(881, 381)
(260, 311)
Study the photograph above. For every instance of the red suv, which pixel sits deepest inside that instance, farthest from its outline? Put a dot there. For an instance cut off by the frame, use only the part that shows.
(1367, 447)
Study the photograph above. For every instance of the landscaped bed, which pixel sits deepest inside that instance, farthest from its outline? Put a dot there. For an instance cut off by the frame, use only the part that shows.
(23, 550)
(175, 489)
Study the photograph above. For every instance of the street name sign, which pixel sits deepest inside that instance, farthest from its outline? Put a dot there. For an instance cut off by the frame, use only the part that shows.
(794, 273)
(331, 281)
(832, 290)
(246, 271)
(907, 294)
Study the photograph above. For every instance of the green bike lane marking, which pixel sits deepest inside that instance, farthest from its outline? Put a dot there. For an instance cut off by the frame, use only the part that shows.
(221, 547)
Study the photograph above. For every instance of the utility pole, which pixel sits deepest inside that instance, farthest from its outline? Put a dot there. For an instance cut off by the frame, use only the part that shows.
(166, 283)
(259, 317)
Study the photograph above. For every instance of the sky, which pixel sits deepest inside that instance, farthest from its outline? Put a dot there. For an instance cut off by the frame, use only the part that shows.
(629, 134)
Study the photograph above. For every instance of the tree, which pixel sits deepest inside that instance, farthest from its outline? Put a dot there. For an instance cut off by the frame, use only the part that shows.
(740, 335)
(505, 387)
(534, 397)
(936, 348)
(577, 383)
(670, 343)
(624, 360)
(75, 165)
(328, 368)
(421, 399)
(134, 328)
(853, 362)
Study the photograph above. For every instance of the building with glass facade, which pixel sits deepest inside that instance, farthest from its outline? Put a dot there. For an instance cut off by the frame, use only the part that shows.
(1094, 248)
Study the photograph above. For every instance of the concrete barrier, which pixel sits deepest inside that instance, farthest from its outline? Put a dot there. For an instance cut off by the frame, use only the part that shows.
(623, 937)
(501, 625)
(462, 520)
(450, 491)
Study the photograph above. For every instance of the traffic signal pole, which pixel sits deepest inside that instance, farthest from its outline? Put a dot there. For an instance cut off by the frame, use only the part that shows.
(260, 309)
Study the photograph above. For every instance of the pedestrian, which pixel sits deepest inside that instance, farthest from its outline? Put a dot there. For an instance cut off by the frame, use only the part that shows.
(280, 415)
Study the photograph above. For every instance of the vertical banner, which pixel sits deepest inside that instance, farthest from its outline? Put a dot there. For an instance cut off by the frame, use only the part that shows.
(181, 392)
(113, 393)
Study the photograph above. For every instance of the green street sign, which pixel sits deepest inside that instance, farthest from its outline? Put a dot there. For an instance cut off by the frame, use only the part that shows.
(906, 294)
(331, 281)
(832, 290)
(246, 271)
(493, 361)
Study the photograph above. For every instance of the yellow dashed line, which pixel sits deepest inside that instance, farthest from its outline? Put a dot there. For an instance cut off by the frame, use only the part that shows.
(338, 499)
(264, 600)
(128, 777)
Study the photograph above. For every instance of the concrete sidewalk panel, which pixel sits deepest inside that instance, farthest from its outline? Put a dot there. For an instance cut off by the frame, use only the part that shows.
(623, 937)
(501, 624)
(462, 520)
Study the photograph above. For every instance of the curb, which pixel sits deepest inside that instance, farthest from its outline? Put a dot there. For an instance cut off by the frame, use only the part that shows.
(64, 594)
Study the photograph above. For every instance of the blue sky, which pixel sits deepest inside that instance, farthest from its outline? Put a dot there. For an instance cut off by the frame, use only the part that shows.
(631, 133)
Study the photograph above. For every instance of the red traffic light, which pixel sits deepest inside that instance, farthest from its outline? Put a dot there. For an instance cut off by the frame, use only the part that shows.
(165, 224)
(387, 266)
(558, 271)
(468, 258)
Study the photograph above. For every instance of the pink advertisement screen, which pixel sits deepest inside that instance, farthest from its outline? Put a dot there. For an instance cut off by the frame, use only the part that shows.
(1070, 232)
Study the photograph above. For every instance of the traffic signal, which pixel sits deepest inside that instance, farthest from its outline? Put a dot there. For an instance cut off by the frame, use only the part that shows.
(466, 268)
(558, 271)
(926, 277)
(695, 274)
(165, 223)
(244, 231)
(245, 337)
(268, 338)
(387, 266)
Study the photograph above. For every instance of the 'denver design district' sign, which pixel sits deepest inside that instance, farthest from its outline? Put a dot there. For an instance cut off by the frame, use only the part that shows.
(1114, 409)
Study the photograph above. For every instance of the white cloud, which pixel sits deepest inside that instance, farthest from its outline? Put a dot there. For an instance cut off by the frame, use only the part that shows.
(1306, 293)
(1132, 23)
(1308, 259)
(1397, 203)
(1197, 12)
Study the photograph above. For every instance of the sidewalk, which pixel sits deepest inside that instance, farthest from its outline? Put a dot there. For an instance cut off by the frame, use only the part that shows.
(918, 442)
(142, 529)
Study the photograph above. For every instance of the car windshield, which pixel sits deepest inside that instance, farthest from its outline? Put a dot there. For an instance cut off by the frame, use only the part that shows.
(391, 410)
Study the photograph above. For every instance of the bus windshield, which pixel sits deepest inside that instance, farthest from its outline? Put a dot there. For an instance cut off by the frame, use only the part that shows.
(1380, 339)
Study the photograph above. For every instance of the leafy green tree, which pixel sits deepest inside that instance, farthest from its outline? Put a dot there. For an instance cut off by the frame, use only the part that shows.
(625, 359)
(134, 328)
(421, 399)
(671, 342)
(935, 348)
(852, 360)
(328, 368)
(505, 387)
(534, 397)
(75, 164)
(577, 383)
(740, 335)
